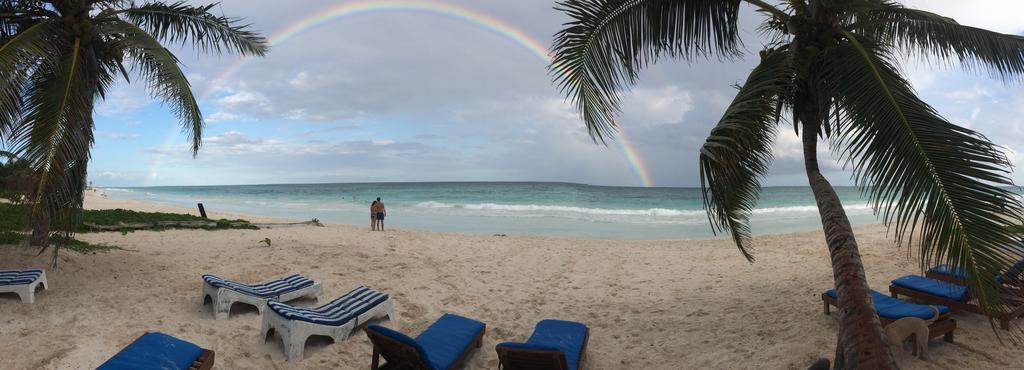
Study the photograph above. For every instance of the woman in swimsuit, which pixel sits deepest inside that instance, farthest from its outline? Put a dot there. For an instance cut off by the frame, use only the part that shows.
(373, 216)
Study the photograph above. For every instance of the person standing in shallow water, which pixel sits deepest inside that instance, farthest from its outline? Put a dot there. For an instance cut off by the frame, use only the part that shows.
(373, 216)
(381, 212)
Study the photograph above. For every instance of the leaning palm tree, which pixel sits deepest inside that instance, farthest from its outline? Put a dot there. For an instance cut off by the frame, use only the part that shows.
(829, 67)
(58, 57)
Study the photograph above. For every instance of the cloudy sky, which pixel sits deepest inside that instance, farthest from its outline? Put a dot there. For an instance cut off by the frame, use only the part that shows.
(400, 95)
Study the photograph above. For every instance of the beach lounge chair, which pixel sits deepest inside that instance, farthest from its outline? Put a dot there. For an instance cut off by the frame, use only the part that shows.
(160, 351)
(337, 319)
(444, 345)
(956, 296)
(890, 309)
(554, 345)
(223, 293)
(956, 276)
(23, 283)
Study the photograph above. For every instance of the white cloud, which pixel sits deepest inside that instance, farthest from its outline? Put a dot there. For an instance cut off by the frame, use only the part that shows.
(969, 94)
(789, 148)
(300, 81)
(242, 97)
(996, 15)
(116, 135)
(382, 142)
(223, 117)
(656, 106)
(114, 175)
(303, 115)
(123, 100)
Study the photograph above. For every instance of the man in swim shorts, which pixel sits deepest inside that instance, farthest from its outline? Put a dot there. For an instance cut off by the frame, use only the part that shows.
(381, 212)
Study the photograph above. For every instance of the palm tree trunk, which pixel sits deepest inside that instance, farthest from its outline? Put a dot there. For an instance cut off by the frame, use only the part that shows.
(861, 341)
(40, 228)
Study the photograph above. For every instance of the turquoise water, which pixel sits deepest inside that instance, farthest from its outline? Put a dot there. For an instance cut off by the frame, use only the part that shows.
(509, 208)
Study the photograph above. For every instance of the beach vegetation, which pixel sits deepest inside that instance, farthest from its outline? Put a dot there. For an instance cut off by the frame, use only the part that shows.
(16, 177)
(11, 237)
(75, 245)
(12, 218)
(59, 57)
(114, 217)
(831, 72)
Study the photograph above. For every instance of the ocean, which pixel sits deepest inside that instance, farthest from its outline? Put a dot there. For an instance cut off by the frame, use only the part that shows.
(560, 209)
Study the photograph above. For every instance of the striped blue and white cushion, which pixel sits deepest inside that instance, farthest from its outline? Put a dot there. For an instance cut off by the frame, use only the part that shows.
(19, 277)
(269, 289)
(337, 312)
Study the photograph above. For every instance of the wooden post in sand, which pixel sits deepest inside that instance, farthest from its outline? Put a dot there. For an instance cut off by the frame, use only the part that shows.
(202, 211)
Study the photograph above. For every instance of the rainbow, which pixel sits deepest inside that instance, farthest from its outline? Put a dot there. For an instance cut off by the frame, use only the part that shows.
(433, 8)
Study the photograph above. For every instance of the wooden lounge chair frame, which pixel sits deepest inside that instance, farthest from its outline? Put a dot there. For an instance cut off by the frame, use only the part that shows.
(402, 356)
(943, 327)
(540, 359)
(204, 362)
(964, 305)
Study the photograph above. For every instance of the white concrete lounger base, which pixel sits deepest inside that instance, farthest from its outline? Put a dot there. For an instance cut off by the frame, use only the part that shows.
(223, 298)
(27, 292)
(294, 333)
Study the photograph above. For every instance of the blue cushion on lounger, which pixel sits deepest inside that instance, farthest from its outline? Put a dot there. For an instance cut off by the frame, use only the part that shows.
(1011, 274)
(447, 338)
(948, 270)
(155, 351)
(937, 288)
(19, 277)
(895, 309)
(959, 274)
(564, 336)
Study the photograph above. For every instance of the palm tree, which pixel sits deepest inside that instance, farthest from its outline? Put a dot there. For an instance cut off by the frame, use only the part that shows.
(830, 67)
(58, 57)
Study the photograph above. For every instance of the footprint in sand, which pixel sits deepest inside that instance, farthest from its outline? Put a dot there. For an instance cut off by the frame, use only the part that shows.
(412, 311)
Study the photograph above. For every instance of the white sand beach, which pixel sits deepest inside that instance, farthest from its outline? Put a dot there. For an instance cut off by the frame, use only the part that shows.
(649, 304)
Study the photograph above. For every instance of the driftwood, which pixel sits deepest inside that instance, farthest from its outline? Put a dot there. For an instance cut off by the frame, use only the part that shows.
(270, 225)
(122, 226)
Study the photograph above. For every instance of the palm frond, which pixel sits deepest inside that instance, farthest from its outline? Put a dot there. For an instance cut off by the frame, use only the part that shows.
(160, 69)
(55, 134)
(19, 54)
(34, 42)
(738, 152)
(930, 179)
(179, 22)
(607, 42)
(936, 37)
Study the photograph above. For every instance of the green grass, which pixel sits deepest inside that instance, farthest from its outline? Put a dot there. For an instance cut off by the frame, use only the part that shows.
(15, 238)
(13, 224)
(114, 216)
(12, 217)
(10, 237)
(83, 247)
